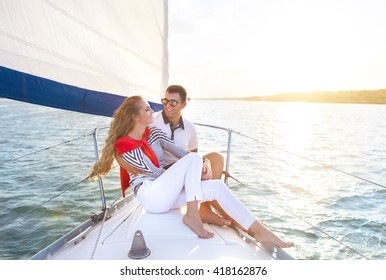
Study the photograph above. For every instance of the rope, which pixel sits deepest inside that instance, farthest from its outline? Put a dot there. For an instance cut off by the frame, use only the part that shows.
(314, 161)
(101, 228)
(99, 236)
(303, 220)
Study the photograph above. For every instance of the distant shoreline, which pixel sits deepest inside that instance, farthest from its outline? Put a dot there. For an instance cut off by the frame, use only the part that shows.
(355, 97)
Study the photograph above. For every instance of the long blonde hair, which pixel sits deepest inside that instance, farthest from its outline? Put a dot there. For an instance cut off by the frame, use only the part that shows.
(122, 124)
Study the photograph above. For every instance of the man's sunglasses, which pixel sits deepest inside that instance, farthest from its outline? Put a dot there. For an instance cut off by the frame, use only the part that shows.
(172, 102)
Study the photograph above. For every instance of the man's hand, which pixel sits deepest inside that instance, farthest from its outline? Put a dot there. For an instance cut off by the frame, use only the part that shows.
(206, 173)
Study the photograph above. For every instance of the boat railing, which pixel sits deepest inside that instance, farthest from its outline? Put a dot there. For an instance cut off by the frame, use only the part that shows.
(96, 151)
(228, 150)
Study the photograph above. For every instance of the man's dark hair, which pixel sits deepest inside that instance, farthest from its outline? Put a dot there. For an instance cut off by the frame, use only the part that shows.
(178, 89)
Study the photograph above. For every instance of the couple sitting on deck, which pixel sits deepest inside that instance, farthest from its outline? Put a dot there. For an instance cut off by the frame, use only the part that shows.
(165, 176)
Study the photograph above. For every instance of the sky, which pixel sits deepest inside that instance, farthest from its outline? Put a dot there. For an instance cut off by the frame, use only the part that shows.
(235, 48)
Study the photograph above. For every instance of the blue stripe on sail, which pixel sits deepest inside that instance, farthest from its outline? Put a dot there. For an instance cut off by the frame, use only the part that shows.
(36, 90)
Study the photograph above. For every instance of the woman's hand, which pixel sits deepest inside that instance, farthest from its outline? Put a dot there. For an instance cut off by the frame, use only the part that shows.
(206, 173)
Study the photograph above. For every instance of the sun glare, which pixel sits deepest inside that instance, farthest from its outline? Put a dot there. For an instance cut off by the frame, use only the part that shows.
(296, 131)
(271, 47)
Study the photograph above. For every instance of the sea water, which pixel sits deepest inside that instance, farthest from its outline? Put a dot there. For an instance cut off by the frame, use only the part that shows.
(313, 173)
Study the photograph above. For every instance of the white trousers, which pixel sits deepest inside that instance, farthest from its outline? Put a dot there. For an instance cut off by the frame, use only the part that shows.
(182, 183)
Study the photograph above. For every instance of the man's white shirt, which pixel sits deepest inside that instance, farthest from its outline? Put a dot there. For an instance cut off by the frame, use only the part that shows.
(184, 136)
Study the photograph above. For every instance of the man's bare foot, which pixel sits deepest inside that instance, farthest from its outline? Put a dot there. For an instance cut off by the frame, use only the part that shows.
(281, 244)
(270, 237)
(209, 217)
(264, 235)
(288, 244)
(197, 226)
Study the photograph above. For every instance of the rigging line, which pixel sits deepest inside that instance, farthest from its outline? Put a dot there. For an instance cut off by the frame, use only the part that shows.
(314, 161)
(52, 198)
(48, 200)
(293, 214)
(116, 199)
(99, 235)
(45, 149)
(96, 245)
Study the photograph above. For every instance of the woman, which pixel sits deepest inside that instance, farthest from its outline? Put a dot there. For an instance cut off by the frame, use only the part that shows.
(160, 190)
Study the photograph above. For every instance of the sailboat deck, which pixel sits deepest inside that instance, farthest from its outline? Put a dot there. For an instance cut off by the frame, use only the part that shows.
(166, 236)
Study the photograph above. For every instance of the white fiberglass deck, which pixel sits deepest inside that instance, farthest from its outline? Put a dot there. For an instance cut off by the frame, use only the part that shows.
(165, 235)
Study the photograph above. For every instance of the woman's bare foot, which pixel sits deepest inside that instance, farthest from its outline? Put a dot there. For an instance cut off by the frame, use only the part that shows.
(264, 235)
(209, 217)
(197, 226)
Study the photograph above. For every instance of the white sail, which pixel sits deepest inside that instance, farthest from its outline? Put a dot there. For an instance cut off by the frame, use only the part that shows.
(80, 54)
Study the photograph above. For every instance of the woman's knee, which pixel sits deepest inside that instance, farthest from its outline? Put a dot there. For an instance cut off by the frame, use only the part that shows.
(195, 157)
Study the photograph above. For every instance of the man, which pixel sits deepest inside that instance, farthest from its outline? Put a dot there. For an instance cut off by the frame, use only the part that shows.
(184, 134)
